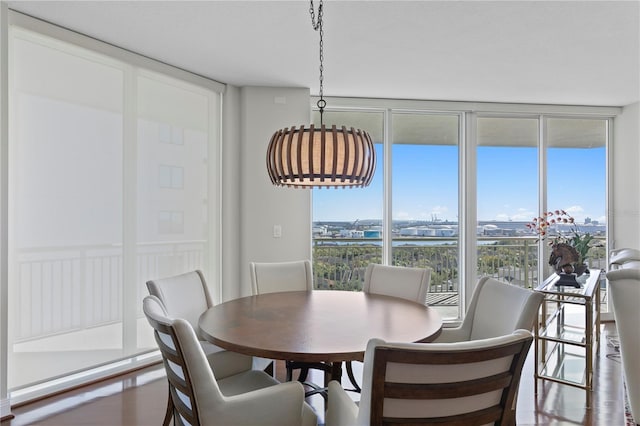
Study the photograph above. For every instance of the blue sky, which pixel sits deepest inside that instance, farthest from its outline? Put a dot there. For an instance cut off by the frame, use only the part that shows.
(425, 182)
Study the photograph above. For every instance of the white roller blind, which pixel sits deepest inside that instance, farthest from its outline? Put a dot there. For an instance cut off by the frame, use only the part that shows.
(110, 175)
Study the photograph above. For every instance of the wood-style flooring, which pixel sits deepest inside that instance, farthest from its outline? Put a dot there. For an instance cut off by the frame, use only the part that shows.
(139, 398)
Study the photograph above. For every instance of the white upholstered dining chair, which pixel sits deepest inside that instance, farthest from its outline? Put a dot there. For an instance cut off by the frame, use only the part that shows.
(274, 277)
(187, 296)
(184, 296)
(496, 308)
(201, 396)
(624, 258)
(464, 383)
(397, 281)
(624, 291)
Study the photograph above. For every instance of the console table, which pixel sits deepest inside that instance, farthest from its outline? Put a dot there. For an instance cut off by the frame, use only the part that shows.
(568, 332)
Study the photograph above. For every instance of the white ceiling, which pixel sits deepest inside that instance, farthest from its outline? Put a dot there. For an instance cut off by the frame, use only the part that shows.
(555, 52)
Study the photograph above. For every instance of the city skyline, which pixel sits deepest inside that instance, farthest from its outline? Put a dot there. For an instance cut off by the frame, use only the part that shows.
(506, 185)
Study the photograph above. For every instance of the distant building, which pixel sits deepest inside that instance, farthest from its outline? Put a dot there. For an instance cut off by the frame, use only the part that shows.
(372, 233)
(319, 230)
(495, 231)
(409, 229)
(351, 233)
(429, 231)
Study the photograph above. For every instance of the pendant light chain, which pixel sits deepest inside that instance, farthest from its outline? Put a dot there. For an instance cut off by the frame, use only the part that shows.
(317, 25)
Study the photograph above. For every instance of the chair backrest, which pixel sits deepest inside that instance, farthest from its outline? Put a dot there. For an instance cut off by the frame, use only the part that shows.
(184, 362)
(624, 291)
(470, 383)
(498, 308)
(184, 296)
(397, 281)
(624, 258)
(272, 277)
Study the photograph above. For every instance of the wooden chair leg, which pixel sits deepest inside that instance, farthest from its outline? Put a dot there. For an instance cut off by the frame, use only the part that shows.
(169, 414)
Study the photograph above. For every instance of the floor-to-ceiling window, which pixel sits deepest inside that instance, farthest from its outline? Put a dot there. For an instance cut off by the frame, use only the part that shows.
(507, 197)
(424, 200)
(418, 220)
(460, 184)
(509, 190)
(110, 186)
(576, 178)
(347, 224)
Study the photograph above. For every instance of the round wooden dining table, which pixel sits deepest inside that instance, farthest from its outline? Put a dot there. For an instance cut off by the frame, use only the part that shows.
(316, 326)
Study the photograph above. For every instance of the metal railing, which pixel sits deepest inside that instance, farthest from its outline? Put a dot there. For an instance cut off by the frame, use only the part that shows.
(63, 289)
(59, 290)
(339, 263)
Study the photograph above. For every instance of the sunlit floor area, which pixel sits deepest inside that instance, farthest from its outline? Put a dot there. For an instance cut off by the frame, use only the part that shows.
(139, 398)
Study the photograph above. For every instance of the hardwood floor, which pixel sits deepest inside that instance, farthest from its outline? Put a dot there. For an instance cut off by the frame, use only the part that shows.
(139, 398)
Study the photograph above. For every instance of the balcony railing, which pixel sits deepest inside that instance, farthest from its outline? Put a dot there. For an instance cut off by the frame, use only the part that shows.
(64, 289)
(339, 263)
(59, 290)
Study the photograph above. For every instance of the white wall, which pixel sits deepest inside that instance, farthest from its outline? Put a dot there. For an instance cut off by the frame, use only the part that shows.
(230, 229)
(623, 217)
(263, 205)
(624, 184)
(4, 194)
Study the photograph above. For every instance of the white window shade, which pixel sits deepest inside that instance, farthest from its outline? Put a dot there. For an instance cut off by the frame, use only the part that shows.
(109, 187)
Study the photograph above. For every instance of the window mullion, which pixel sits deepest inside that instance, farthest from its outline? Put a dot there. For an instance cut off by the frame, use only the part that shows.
(542, 186)
(468, 208)
(387, 196)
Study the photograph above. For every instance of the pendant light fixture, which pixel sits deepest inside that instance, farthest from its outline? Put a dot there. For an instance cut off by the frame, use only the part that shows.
(307, 157)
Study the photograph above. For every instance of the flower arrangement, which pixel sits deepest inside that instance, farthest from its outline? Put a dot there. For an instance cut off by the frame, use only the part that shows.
(540, 225)
(568, 253)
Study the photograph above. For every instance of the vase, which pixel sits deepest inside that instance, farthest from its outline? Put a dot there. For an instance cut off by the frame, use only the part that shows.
(581, 269)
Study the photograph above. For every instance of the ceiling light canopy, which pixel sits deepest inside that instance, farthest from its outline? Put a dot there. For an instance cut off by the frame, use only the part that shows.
(306, 157)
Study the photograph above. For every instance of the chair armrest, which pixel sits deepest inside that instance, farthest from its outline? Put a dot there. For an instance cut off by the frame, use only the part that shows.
(225, 363)
(341, 408)
(622, 255)
(452, 335)
(281, 404)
